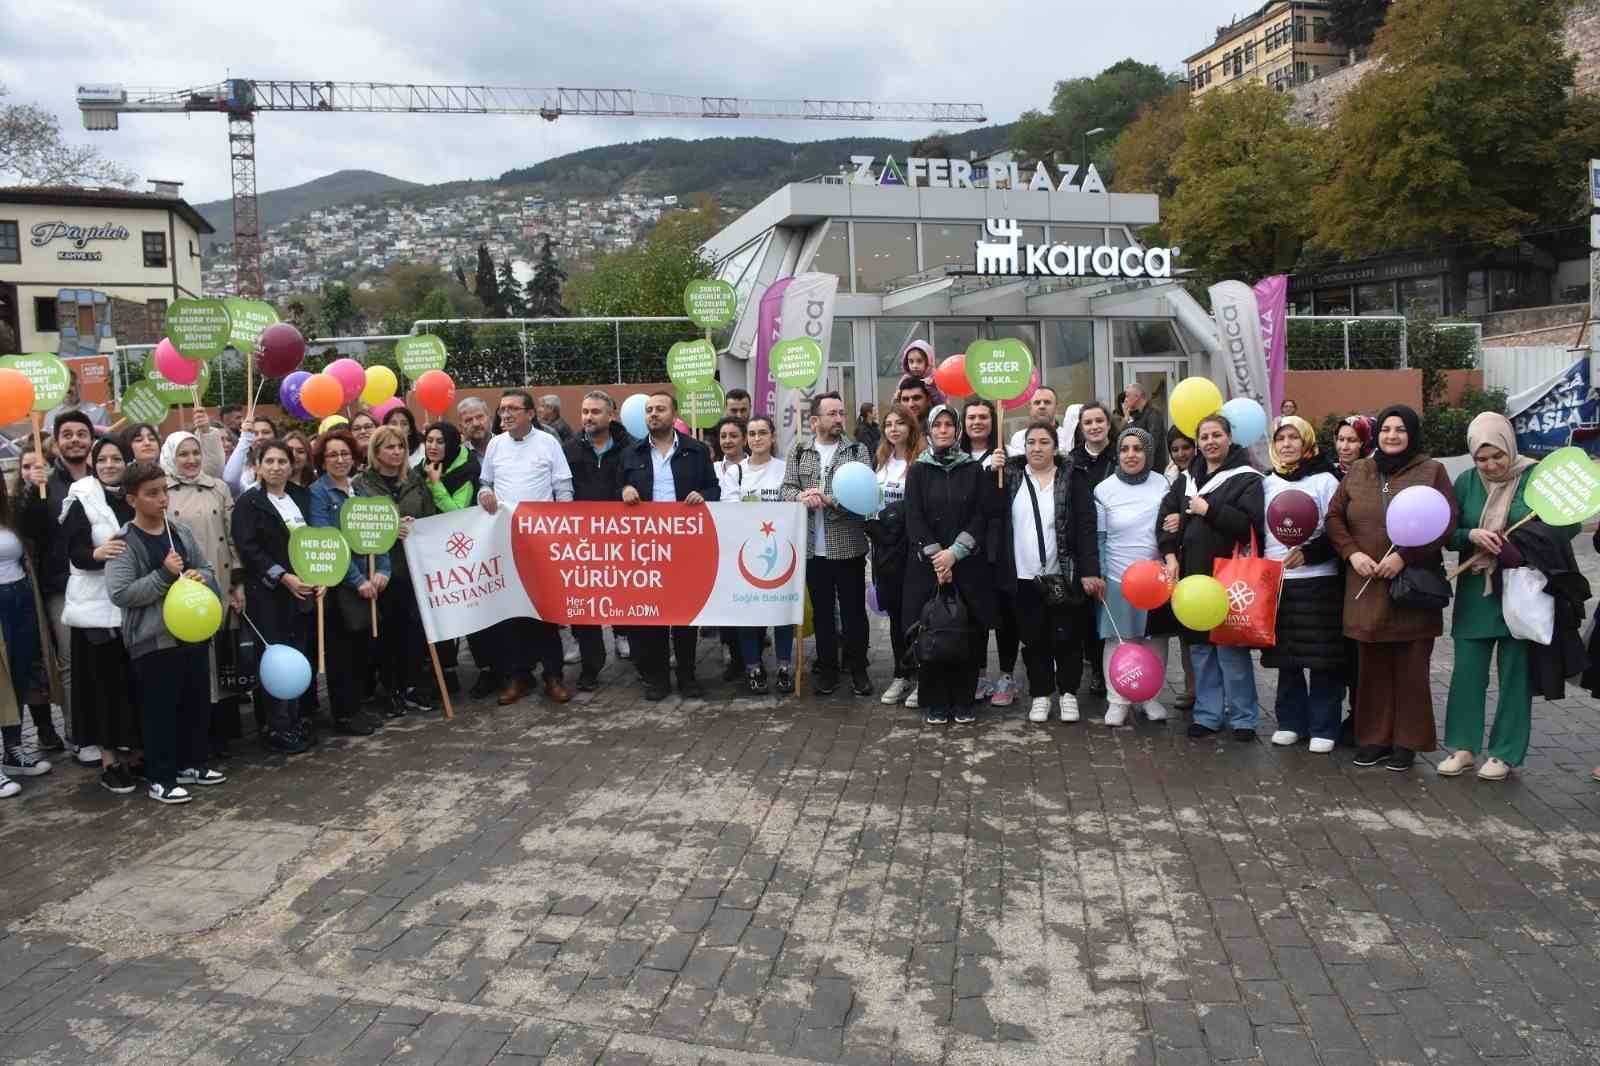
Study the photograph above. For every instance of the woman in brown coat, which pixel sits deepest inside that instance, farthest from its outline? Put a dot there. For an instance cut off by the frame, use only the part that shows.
(1393, 705)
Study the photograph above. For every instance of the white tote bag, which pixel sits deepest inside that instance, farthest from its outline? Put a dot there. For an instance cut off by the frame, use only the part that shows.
(1530, 611)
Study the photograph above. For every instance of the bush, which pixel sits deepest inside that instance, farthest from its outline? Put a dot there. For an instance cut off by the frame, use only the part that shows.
(1444, 429)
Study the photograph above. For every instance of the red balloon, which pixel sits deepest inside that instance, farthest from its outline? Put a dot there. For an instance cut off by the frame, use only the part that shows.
(280, 349)
(1292, 517)
(1145, 586)
(951, 376)
(435, 392)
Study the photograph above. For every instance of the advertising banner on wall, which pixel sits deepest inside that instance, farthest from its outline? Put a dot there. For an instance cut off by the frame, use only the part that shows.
(791, 309)
(1555, 413)
(1272, 302)
(730, 563)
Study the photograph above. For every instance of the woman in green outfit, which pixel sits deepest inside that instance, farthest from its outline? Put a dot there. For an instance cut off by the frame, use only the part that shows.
(1491, 498)
(450, 467)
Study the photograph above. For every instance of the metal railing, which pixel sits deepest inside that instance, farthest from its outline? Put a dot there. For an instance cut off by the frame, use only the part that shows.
(1361, 342)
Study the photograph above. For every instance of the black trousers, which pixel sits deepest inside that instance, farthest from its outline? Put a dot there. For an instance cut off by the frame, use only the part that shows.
(349, 659)
(842, 582)
(1005, 633)
(401, 648)
(517, 645)
(951, 685)
(591, 647)
(1052, 640)
(650, 651)
(175, 699)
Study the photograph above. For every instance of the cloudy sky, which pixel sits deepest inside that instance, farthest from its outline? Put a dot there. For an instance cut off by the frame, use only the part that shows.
(1004, 54)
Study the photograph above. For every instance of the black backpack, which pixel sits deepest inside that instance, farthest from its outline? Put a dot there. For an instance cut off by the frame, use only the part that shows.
(940, 634)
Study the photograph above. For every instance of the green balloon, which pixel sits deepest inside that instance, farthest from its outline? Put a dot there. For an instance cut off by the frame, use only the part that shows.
(691, 363)
(700, 407)
(247, 320)
(710, 304)
(143, 402)
(999, 370)
(319, 555)
(171, 391)
(1564, 488)
(47, 373)
(370, 524)
(796, 364)
(417, 355)
(199, 329)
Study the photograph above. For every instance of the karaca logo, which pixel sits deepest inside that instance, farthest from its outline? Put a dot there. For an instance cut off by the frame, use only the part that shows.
(768, 557)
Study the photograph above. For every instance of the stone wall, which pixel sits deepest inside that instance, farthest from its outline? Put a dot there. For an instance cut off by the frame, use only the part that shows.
(1583, 37)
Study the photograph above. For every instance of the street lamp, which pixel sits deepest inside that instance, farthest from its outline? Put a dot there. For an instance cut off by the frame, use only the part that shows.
(1086, 135)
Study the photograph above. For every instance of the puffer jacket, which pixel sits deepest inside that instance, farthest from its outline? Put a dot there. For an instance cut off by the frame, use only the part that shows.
(1074, 522)
(1310, 632)
(1235, 511)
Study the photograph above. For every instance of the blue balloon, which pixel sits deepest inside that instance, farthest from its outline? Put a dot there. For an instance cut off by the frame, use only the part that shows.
(855, 486)
(632, 415)
(289, 393)
(285, 673)
(1248, 420)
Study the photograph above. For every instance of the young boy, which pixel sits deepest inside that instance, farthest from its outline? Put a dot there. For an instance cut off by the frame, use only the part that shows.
(171, 677)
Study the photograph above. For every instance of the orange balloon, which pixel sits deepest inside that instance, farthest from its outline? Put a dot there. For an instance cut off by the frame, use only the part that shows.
(435, 392)
(321, 395)
(16, 396)
(951, 376)
(1144, 585)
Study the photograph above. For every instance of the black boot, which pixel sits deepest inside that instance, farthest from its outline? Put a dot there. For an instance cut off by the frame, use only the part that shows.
(45, 728)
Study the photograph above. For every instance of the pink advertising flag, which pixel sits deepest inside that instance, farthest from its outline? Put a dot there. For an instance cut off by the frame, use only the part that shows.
(1272, 298)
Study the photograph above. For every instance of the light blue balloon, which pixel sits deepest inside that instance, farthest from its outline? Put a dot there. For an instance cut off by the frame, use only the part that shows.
(1248, 420)
(285, 673)
(632, 415)
(855, 487)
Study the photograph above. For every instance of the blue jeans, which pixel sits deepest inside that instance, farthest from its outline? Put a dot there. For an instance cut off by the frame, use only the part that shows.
(1313, 711)
(20, 624)
(1223, 677)
(782, 645)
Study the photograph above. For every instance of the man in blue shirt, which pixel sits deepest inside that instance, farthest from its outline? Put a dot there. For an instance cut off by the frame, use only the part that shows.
(595, 457)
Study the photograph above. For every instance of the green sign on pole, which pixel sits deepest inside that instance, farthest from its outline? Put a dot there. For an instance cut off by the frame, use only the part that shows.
(370, 524)
(796, 364)
(710, 304)
(691, 363)
(999, 370)
(418, 355)
(171, 391)
(47, 373)
(319, 555)
(1564, 488)
(247, 320)
(199, 329)
(701, 405)
(143, 402)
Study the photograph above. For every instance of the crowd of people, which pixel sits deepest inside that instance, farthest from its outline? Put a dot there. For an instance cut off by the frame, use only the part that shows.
(1025, 540)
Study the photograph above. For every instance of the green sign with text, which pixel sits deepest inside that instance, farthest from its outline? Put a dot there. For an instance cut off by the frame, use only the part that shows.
(319, 555)
(370, 524)
(417, 355)
(47, 373)
(199, 329)
(710, 304)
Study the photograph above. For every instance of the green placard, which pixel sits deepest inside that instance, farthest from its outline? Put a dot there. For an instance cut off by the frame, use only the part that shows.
(370, 524)
(1564, 488)
(143, 402)
(48, 374)
(999, 370)
(417, 355)
(710, 304)
(199, 329)
(691, 363)
(171, 391)
(700, 406)
(796, 364)
(319, 555)
(247, 320)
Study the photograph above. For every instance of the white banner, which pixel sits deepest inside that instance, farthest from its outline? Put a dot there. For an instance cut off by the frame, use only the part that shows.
(1244, 352)
(805, 309)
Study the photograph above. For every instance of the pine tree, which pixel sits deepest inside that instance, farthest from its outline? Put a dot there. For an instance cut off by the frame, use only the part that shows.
(544, 288)
(1353, 23)
(511, 299)
(486, 286)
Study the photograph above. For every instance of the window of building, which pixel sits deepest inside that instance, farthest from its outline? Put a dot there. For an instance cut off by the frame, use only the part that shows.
(1477, 302)
(1249, 53)
(44, 314)
(155, 316)
(1238, 62)
(1422, 293)
(10, 243)
(155, 249)
(1334, 301)
(1300, 29)
(1078, 235)
(833, 255)
(1069, 361)
(1377, 299)
(954, 335)
(945, 245)
(1302, 74)
(885, 252)
(1319, 30)
(889, 338)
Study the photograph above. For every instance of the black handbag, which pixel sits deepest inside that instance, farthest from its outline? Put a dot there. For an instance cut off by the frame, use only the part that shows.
(940, 635)
(1423, 587)
(1054, 589)
(238, 658)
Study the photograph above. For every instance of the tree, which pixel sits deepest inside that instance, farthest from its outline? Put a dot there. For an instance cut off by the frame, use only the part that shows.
(1244, 177)
(543, 292)
(31, 147)
(511, 301)
(935, 145)
(649, 278)
(337, 312)
(1142, 157)
(1353, 23)
(1461, 134)
(1110, 100)
(486, 285)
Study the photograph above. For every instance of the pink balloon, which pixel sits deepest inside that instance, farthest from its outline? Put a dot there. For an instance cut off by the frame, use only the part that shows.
(380, 412)
(174, 367)
(351, 376)
(1417, 515)
(682, 427)
(1136, 673)
(1021, 401)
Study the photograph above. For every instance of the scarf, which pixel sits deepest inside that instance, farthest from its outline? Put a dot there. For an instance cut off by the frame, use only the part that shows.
(1308, 444)
(952, 456)
(1393, 464)
(457, 472)
(1364, 432)
(1147, 443)
(169, 456)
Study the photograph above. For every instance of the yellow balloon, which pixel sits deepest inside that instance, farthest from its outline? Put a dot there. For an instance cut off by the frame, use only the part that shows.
(192, 611)
(331, 421)
(381, 385)
(1200, 602)
(1192, 400)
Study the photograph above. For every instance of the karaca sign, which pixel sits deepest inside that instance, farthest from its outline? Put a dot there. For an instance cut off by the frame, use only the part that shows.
(609, 564)
(1010, 256)
(80, 236)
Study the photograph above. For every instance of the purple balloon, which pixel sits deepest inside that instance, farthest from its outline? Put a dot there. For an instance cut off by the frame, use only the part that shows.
(872, 601)
(1418, 515)
(289, 393)
(1292, 517)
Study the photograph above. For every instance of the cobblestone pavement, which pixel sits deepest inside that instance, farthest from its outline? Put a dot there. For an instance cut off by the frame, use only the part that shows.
(758, 883)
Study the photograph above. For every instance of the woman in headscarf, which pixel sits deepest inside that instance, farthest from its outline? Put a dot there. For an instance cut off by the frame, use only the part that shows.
(1180, 453)
(980, 438)
(450, 467)
(1393, 706)
(204, 504)
(1491, 500)
(950, 503)
(1127, 505)
(1353, 441)
(1310, 638)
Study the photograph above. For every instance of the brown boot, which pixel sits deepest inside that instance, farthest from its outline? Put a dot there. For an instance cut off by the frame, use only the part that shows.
(556, 691)
(513, 691)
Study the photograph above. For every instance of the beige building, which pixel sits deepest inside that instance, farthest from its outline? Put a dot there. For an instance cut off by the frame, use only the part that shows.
(1283, 44)
(81, 269)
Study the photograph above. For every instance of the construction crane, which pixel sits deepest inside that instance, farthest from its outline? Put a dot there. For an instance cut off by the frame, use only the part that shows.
(241, 98)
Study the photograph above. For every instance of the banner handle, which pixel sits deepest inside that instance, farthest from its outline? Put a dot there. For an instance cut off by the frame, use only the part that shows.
(1457, 571)
(438, 677)
(38, 447)
(371, 573)
(322, 661)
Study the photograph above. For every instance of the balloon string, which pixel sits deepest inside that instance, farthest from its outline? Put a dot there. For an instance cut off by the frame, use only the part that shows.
(259, 634)
(1113, 620)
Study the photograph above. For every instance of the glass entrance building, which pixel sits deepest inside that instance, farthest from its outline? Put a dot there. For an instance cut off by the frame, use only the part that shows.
(906, 257)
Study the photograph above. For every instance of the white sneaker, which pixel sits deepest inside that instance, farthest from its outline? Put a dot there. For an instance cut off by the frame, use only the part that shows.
(895, 692)
(622, 647)
(87, 755)
(911, 698)
(1456, 764)
(571, 655)
(1285, 738)
(1117, 714)
(8, 787)
(1039, 709)
(985, 690)
(1321, 745)
(175, 794)
(1154, 711)
(1069, 707)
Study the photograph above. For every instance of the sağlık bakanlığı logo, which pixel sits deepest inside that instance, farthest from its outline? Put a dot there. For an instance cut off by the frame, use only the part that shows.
(767, 558)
